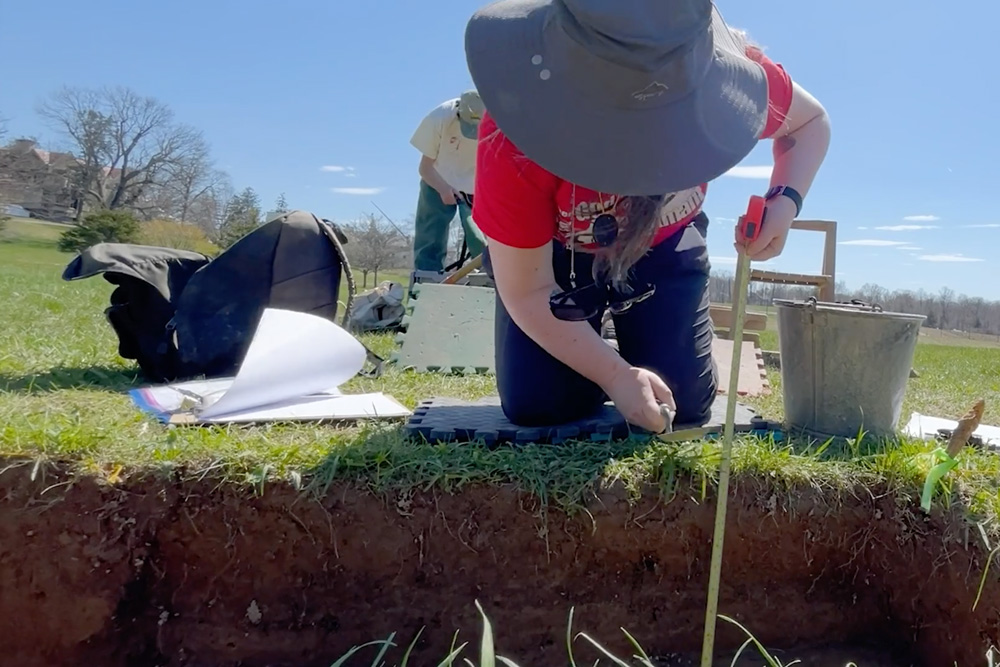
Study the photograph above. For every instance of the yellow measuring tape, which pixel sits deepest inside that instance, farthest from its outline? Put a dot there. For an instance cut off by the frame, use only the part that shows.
(739, 309)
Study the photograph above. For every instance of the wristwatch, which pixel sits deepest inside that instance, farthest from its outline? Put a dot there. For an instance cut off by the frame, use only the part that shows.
(791, 193)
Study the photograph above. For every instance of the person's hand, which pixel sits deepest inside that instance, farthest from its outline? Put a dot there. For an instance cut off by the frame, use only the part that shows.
(638, 393)
(778, 217)
(448, 197)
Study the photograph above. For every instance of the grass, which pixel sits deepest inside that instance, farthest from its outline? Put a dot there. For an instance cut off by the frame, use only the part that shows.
(489, 657)
(62, 396)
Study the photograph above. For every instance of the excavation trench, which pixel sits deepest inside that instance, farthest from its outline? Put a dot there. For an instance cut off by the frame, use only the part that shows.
(153, 572)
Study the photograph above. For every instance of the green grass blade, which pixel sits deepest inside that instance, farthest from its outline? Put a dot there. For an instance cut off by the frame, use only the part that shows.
(347, 656)
(740, 652)
(377, 662)
(616, 660)
(772, 662)
(982, 579)
(487, 657)
(450, 660)
(569, 638)
(409, 649)
(646, 662)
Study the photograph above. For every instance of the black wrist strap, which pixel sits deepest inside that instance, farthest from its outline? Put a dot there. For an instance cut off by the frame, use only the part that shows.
(789, 192)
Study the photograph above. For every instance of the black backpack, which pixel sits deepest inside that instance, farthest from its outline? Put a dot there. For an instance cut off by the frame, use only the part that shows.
(182, 314)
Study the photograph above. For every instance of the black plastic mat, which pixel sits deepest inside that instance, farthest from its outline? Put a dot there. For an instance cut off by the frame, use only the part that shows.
(450, 419)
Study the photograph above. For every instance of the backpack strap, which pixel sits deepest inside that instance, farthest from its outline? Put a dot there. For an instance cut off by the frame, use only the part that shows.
(376, 361)
(334, 234)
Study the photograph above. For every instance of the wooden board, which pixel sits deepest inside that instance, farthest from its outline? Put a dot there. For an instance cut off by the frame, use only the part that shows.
(722, 318)
(753, 375)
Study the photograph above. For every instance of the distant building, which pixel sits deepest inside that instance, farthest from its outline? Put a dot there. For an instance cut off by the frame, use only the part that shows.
(40, 181)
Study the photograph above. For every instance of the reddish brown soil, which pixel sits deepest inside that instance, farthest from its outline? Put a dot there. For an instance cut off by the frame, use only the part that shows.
(163, 573)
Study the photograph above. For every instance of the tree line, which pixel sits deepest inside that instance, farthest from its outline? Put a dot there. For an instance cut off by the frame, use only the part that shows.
(130, 153)
(943, 309)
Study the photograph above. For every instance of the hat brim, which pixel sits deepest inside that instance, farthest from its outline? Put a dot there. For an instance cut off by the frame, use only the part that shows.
(628, 151)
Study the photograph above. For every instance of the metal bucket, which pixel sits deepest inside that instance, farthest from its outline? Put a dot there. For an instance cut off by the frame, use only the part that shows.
(844, 366)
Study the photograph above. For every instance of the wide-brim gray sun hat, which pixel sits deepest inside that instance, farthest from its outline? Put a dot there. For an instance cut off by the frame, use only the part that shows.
(634, 97)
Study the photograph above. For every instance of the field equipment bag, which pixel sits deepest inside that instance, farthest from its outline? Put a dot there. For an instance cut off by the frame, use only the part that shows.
(181, 314)
(379, 309)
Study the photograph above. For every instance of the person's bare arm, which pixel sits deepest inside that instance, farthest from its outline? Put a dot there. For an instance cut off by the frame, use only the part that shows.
(799, 148)
(434, 179)
(801, 144)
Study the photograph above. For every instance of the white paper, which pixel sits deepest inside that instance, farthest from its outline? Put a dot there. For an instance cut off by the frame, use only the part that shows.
(170, 397)
(165, 400)
(293, 368)
(926, 428)
(323, 406)
(291, 355)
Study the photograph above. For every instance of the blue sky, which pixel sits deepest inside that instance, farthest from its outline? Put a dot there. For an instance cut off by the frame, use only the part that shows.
(282, 90)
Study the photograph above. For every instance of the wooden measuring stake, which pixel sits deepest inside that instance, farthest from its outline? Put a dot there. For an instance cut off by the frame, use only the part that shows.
(464, 271)
(749, 226)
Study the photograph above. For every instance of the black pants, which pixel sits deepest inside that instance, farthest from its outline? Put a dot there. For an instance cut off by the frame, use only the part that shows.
(669, 333)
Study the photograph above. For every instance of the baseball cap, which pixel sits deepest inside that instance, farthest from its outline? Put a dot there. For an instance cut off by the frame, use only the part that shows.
(470, 113)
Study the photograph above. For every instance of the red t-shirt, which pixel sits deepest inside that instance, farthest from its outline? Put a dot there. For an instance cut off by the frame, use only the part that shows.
(520, 204)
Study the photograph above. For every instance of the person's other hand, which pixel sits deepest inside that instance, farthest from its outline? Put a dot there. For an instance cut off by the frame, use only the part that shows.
(638, 393)
(780, 212)
(448, 197)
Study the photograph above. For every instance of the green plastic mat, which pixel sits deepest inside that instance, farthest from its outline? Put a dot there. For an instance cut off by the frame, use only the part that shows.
(448, 329)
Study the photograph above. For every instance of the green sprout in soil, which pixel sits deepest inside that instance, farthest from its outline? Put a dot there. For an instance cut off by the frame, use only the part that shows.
(488, 657)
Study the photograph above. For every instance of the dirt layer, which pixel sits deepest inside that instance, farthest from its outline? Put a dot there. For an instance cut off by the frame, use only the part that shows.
(152, 572)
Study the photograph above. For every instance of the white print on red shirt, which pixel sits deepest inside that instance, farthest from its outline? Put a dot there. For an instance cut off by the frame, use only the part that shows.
(676, 208)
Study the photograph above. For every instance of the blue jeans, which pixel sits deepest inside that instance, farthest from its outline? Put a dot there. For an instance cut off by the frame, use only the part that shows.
(430, 234)
(669, 333)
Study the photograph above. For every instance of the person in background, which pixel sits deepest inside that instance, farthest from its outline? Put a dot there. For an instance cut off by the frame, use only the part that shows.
(605, 121)
(447, 140)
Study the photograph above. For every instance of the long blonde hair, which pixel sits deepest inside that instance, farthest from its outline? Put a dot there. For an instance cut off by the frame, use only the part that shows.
(612, 264)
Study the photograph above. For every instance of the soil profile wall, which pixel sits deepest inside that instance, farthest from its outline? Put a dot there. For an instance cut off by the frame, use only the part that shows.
(149, 572)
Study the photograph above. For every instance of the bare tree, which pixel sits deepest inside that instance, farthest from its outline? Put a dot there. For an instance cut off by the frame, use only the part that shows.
(209, 210)
(947, 298)
(375, 245)
(126, 143)
(191, 176)
(3, 208)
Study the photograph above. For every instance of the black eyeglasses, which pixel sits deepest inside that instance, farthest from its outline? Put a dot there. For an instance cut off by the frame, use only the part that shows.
(584, 303)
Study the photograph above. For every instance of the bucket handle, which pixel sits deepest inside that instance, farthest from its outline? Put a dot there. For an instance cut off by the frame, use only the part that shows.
(813, 302)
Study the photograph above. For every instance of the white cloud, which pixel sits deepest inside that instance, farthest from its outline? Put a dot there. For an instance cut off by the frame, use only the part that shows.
(357, 191)
(336, 169)
(756, 171)
(905, 228)
(921, 218)
(992, 225)
(722, 260)
(948, 258)
(873, 242)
